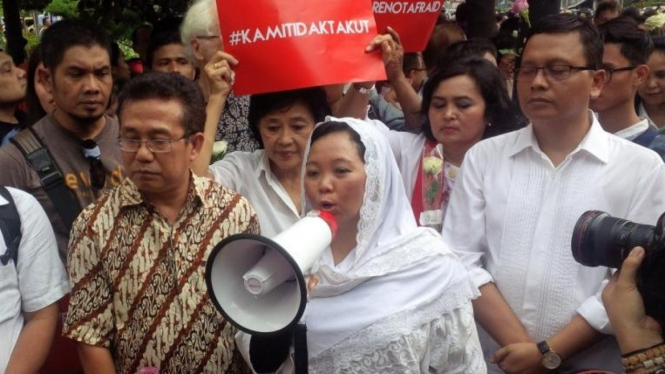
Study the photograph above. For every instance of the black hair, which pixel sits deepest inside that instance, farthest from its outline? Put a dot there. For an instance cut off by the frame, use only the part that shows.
(634, 13)
(165, 86)
(636, 45)
(331, 127)
(263, 104)
(658, 44)
(115, 54)
(590, 37)
(606, 5)
(412, 61)
(35, 110)
(500, 110)
(473, 47)
(160, 39)
(68, 33)
(135, 32)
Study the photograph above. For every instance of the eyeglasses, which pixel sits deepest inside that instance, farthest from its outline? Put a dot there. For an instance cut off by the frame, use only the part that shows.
(554, 72)
(610, 72)
(154, 145)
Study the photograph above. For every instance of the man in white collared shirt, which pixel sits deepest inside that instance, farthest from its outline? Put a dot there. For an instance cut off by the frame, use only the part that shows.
(519, 195)
(625, 55)
(31, 283)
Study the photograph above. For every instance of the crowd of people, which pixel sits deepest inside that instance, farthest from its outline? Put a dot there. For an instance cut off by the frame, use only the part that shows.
(455, 184)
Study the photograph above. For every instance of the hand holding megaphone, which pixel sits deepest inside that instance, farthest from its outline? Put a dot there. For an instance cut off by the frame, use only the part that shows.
(259, 284)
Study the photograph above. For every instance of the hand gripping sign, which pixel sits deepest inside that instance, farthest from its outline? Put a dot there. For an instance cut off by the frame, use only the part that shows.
(289, 44)
(413, 20)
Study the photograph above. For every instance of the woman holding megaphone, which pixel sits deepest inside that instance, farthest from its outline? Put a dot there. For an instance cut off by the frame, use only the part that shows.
(390, 297)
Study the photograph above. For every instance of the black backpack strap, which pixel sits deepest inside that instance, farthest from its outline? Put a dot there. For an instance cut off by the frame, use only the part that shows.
(10, 225)
(40, 159)
(645, 138)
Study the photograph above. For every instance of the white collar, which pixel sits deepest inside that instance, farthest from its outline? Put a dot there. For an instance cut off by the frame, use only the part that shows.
(633, 131)
(594, 142)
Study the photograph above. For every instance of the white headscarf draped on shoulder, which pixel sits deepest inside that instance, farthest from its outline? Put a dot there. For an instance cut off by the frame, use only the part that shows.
(399, 276)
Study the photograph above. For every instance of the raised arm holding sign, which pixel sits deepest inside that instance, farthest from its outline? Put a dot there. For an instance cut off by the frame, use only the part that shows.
(413, 20)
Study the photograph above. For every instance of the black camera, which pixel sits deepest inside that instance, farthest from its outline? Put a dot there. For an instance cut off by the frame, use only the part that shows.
(602, 240)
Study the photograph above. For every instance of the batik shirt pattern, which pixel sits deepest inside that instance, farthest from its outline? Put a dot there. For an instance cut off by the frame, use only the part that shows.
(138, 282)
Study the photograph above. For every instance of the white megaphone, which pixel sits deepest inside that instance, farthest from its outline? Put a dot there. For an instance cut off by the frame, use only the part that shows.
(258, 284)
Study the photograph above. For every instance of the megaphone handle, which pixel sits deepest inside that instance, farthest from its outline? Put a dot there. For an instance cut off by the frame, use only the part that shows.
(300, 354)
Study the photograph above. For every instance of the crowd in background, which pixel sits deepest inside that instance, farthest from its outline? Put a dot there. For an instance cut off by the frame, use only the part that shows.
(456, 184)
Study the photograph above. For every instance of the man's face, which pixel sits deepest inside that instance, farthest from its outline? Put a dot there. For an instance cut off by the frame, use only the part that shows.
(546, 100)
(623, 84)
(171, 58)
(13, 82)
(156, 174)
(82, 83)
(605, 16)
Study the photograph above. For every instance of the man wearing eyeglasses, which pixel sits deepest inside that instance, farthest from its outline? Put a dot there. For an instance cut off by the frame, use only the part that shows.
(519, 195)
(625, 55)
(137, 257)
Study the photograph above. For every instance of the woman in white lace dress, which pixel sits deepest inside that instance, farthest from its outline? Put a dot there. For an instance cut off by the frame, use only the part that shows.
(391, 297)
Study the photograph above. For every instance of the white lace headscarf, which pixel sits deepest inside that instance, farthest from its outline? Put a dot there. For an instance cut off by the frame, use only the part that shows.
(387, 231)
(395, 268)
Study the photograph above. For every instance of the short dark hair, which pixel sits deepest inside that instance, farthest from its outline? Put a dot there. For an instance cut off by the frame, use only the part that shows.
(35, 110)
(160, 39)
(606, 5)
(590, 37)
(658, 44)
(412, 61)
(472, 47)
(636, 45)
(263, 104)
(500, 110)
(68, 33)
(115, 54)
(334, 127)
(165, 86)
(135, 32)
(634, 13)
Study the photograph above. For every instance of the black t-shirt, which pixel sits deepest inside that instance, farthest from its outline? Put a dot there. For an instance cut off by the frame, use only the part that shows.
(6, 127)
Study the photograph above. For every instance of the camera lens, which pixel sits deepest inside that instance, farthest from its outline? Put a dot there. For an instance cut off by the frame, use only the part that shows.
(602, 240)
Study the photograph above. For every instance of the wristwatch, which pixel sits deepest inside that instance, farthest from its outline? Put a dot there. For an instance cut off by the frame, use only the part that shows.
(551, 360)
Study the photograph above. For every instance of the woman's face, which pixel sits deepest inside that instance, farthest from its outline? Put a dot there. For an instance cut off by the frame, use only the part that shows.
(457, 113)
(652, 91)
(285, 134)
(335, 178)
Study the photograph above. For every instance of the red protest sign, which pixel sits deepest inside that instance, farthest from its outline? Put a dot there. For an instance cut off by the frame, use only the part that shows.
(413, 20)
(283, 45)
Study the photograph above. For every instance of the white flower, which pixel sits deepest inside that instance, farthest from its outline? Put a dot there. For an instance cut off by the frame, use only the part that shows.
(218, 151)
(432, 165)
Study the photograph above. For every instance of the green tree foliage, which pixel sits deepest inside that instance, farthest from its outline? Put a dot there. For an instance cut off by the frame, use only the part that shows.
(64, 8)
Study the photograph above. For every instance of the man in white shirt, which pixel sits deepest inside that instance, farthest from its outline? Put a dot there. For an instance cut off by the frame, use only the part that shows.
(31, 283)
(519, 195)
(625, 55)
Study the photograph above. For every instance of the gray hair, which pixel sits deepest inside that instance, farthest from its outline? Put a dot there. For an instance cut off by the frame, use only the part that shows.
(200, 19)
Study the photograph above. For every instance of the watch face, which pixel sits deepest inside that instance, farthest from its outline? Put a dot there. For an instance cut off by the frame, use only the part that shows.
(551, 360)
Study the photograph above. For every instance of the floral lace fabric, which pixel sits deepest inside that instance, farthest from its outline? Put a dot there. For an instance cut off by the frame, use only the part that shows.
(233, 126)
(402, 343)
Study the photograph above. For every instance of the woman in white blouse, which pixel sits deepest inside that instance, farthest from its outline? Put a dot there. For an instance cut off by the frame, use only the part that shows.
(270, 176)
(464, 102)
(391, 297)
